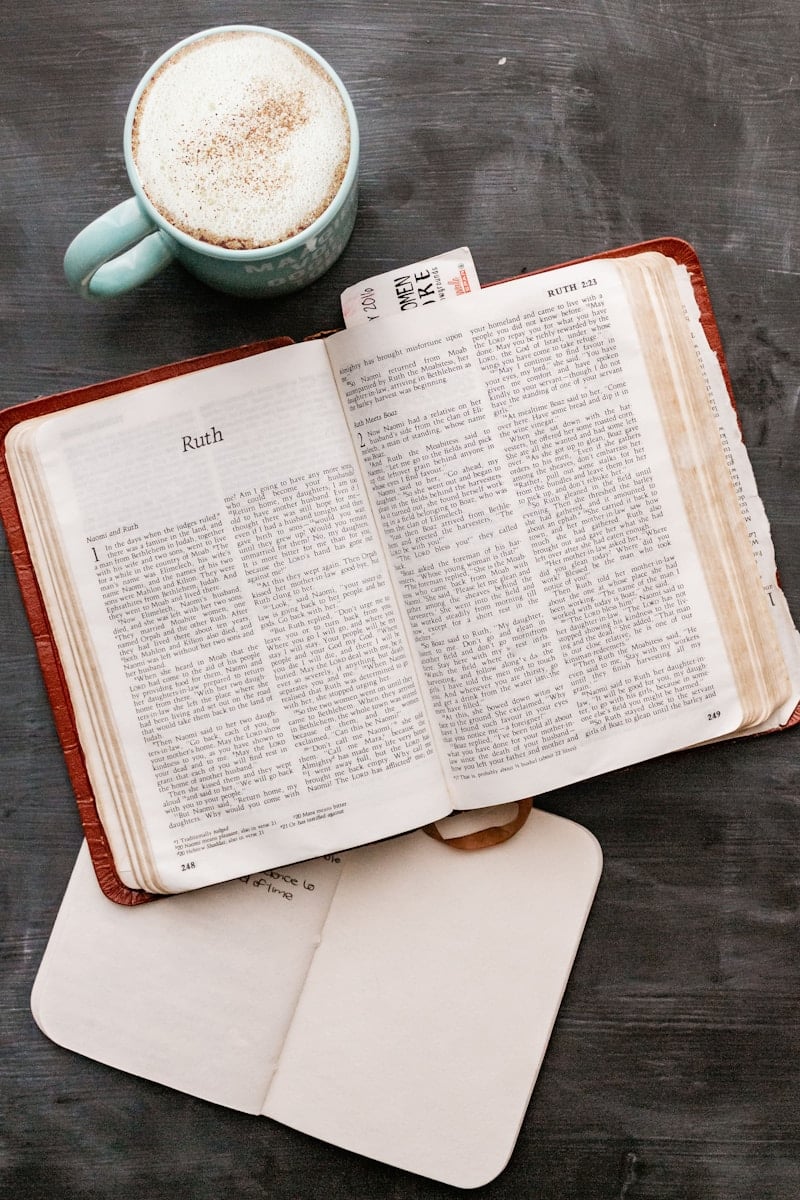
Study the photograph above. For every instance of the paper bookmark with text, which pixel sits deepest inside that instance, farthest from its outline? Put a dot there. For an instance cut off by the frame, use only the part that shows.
(407, 289)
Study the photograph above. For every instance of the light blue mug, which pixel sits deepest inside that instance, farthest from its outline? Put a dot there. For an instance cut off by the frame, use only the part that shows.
(134, 241)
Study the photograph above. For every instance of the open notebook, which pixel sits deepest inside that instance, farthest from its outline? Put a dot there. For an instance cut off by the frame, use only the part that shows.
(396, 1000)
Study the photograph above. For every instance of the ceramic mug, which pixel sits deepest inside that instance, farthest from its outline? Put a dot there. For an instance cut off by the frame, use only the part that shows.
(134, 241)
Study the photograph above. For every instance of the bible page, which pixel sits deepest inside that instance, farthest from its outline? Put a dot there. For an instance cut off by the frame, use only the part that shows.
(538, 538)
(251, 698)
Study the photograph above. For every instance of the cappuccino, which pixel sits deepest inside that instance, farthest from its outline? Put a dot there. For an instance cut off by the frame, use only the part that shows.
(241, 139)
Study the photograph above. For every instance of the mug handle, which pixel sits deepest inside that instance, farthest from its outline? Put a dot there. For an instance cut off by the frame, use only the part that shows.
(116, 252)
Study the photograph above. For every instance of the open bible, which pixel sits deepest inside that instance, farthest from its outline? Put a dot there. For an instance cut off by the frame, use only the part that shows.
(321, 594)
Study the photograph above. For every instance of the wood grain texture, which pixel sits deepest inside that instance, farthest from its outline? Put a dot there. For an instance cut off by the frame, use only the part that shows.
(532, 133)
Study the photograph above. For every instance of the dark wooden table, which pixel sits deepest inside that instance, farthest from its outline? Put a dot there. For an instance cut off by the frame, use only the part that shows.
(533, 133)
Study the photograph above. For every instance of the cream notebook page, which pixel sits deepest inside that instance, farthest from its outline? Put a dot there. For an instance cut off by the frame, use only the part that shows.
(399, 1004)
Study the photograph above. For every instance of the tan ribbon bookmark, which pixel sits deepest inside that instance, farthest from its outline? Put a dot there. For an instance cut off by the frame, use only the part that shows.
(479, 839)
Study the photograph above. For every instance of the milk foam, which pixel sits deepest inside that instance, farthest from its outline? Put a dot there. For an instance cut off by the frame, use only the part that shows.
(241, 139)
